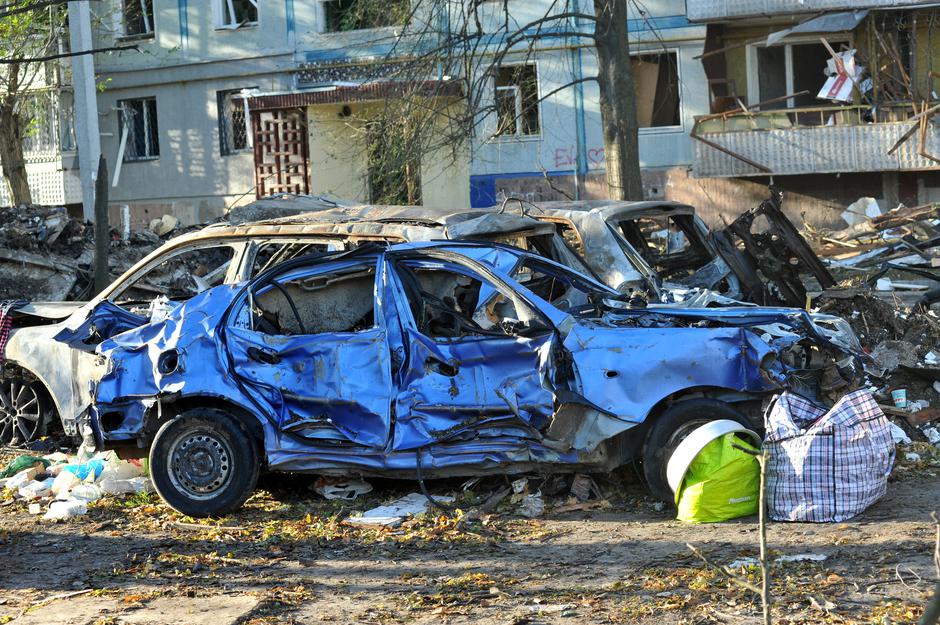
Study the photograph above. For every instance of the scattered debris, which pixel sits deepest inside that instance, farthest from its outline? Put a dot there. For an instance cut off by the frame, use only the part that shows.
(69, 483)
(748, 562)
(532, 506)
(584, 488)
(163, 226)
(337, 488)
(392, 514)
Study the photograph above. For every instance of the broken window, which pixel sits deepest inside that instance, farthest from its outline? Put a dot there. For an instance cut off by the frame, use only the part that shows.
(335, 301)
(346, 15)
(670, 244)
(450, 303)
(233, 129)
(236, 13)
(562, 289)
(271, 254)
(138, 118)
(178, 277)
(517, 100)
(656, 85)
(138, 18)
(778, 71)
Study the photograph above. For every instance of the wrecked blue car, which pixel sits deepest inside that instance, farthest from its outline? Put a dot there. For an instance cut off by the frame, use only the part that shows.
(431, 360)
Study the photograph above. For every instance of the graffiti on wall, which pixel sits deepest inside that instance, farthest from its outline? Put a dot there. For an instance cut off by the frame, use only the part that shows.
(568, 157)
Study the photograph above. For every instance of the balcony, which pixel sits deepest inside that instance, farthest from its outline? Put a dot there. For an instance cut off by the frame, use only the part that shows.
(815, 140)
(716, 10)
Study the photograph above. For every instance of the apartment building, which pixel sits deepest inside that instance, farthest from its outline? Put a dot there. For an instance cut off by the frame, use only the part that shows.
(228, 100)
(830, 99)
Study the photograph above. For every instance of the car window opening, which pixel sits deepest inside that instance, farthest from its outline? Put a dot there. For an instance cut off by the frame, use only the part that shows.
(331, 303)
(448, 304)
(671, 245)
(179, 278)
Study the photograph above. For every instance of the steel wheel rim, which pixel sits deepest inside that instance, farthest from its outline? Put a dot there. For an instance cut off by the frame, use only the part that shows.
(20, 411)
(200, 464)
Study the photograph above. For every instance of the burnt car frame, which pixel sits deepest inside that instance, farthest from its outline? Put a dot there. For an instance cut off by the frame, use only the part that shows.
(43, 380)
(627, 244)
(435, 359)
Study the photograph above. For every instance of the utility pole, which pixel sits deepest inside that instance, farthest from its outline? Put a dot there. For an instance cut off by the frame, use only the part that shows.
(86, 102)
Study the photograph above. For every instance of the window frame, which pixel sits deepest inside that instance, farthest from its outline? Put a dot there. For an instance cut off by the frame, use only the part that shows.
(517, 135)
(753, 70)
(219, 8)
(147, 138)
(657, 130)
(127, 281)
(286, 272)
(434, 262)
(122, 23)
(226, 122)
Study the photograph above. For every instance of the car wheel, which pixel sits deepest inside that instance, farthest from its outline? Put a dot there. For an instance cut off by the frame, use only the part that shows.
(23, 414)
(204, 463)
(670, 428)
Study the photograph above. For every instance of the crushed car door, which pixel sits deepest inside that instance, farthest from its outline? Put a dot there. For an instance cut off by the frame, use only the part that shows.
(476, 357)
(309, 342)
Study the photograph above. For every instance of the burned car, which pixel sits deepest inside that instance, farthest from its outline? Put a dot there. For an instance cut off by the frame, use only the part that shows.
(666, 250)
(44, 381)
(434, 359)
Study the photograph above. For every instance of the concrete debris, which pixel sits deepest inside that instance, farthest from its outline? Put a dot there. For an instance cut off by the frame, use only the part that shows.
(47, 255)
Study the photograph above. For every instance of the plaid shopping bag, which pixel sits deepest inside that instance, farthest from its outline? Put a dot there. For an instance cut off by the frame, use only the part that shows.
(826, 465)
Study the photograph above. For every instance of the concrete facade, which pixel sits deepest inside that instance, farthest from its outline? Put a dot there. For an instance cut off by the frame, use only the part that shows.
(188, 59)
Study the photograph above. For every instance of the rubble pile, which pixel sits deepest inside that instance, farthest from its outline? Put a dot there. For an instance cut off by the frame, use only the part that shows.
(888, 268)
(46, 255)
(895, 254)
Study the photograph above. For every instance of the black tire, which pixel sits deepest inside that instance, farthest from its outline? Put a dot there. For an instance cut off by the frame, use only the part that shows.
(204, 463)
(24, 411)
(670, 428)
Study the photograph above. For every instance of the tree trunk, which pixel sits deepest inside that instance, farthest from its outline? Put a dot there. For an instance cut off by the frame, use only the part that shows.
(11, 152)
(618, 109)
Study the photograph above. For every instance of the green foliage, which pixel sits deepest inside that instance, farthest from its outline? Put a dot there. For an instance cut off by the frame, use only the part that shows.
(346, 15)
(30, 33)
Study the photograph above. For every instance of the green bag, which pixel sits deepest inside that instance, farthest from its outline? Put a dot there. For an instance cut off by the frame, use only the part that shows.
(721, 483)
(20, 463)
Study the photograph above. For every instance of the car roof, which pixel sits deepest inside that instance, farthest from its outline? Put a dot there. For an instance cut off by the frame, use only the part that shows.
(405, 223)
(611, 210)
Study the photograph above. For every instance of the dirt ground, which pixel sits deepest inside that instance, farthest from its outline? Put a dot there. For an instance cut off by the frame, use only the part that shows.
(288, 558)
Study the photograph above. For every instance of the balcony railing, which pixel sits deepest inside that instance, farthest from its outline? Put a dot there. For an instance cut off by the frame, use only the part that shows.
(709, 10)
(831, 139)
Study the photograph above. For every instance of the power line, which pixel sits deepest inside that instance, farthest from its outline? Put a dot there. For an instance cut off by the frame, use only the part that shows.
(52, 57)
